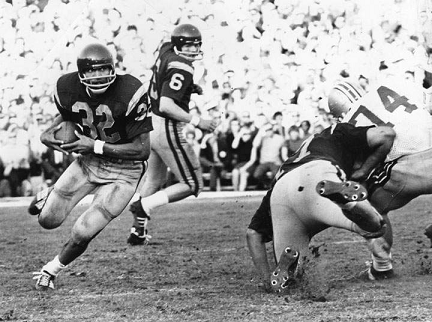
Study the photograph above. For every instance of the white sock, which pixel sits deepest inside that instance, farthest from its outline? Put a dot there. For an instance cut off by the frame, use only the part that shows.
(54, 267)
(157, 199)
(382, 264)
(349, 205)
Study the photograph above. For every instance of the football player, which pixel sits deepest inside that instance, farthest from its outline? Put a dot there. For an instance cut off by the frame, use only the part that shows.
(400, 106)
(170, 91)
(112, 111)
(311, 193)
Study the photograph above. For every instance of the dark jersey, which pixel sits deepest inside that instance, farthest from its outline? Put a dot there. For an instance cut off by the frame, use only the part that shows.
(342, 144)
(172, 77)
(116, 116)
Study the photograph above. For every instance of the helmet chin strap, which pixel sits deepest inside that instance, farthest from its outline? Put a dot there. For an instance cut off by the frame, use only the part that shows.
(96, 91)
(188, 55)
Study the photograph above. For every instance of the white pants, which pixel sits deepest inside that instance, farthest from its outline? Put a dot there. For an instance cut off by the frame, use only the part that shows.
(299, 212)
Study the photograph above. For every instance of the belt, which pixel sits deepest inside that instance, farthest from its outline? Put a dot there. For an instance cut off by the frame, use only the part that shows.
(120, 161)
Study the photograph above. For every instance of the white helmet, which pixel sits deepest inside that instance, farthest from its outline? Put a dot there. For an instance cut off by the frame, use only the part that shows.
(342, 96)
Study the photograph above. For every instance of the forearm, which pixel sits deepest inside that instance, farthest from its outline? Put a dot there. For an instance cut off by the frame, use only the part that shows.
(170, 109)
(375, 158)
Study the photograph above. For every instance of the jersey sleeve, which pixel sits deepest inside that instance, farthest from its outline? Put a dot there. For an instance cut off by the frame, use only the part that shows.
(62, 83)
(138, 115)
(352, 137)
(177, 80)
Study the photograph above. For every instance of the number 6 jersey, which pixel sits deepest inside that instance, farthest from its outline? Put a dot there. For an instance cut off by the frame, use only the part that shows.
(172, 77)
(389, 105)
(116, 116)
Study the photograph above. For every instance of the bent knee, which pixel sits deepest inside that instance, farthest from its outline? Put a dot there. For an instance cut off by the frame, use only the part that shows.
(50, 222)
(253, 235)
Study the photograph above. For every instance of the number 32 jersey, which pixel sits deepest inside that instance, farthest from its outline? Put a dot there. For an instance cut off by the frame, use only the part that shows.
(116, 116)
(389, 105)
(172, 77)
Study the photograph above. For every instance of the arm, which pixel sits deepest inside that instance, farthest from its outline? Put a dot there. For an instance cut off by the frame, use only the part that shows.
(47, 137)
(380, 139)
(138, 149)
(169, 107)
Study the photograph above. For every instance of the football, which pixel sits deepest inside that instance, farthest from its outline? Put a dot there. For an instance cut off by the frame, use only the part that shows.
(67, 132)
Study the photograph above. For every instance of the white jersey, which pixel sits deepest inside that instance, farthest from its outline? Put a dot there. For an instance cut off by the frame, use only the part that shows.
(388, 104)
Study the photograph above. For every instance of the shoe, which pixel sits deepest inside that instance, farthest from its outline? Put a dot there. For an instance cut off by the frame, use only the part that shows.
(44, 281)
(341, 192)
(39, 201)
(428, 233)
(137, 209)
(282, 276)
(138, 237)
(374, 275)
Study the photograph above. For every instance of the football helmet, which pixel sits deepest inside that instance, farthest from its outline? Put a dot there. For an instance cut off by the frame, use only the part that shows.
(342, 96)
(94, 57)
(187, 34)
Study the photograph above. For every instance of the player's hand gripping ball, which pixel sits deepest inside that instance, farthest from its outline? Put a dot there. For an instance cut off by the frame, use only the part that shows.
(66, 133)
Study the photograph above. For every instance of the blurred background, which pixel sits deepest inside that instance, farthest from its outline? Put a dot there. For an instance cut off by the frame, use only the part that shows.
(266, 63)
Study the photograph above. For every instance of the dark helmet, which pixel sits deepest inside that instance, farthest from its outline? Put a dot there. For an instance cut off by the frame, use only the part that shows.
(96, 56)
(187, 34)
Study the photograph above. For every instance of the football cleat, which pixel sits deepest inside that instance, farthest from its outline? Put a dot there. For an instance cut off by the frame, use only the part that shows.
(39, 201)
(341, 192)
(44, 281)
(138, 237)
(373, 275)
(428, 233)
(282, 276)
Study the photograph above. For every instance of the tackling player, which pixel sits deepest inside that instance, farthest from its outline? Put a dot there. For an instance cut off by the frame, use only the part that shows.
(170, 92)
(112, 111)
(320, 168)
(388, 104)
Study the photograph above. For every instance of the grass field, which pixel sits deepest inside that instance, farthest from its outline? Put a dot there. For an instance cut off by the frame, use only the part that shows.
(197, 268)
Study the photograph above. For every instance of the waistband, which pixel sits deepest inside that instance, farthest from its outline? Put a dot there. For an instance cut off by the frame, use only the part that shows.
(115, 160)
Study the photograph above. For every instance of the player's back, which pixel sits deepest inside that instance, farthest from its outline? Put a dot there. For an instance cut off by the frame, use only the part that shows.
(342, 144)
(396, 104)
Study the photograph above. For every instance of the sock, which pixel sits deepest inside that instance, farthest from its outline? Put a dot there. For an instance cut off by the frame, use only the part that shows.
(382, 264)
(349, 205)
(157, 199)
(54, 267)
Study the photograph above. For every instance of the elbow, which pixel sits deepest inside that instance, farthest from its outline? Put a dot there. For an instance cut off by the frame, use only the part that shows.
(389, 137)
(143, 154)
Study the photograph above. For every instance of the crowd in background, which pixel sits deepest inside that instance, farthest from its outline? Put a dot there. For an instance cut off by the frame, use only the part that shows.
(267, 68)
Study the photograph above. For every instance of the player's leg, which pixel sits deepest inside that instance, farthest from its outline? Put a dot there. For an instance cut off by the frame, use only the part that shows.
(180, 157)
(69, 189)
(154, 178)
(291, 233)
(381, 266)
(119, 185)
(176, 153)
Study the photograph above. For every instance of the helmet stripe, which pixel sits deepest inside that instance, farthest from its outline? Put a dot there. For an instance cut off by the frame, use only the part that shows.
(350, 91)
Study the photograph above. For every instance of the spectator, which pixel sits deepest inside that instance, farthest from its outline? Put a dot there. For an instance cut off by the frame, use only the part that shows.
(305, 128)
(265, 158)
(242, 146)
(294, 141)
